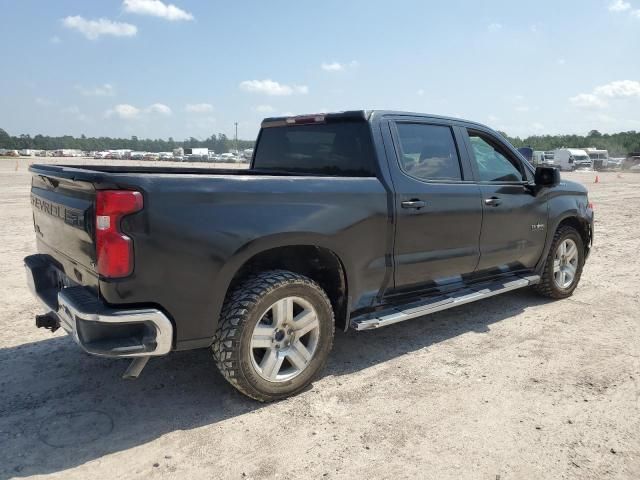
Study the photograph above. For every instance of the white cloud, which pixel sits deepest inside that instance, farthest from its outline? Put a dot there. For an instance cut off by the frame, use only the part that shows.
(156, 8)
(523, 108)
(130, 112)
(494, 27)
(104, 90)
(339, 67)
(124, 111)
(619, 89)
(537, 126)
(198, 107)
(561, 61)
(160, 108)
(492, 118)
(270, 87)
(332, 67)
(265, 109)
(619, 6)
(92, 29)
(533, 28)
(587, 100)
(55, 39)
(614, 90)
(420, 92)
(636, 13)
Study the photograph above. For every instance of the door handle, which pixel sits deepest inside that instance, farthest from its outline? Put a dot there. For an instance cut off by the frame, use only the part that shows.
(413, 203)
(493, 201)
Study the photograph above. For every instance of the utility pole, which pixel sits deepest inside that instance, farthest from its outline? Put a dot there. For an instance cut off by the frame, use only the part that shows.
(237, 152)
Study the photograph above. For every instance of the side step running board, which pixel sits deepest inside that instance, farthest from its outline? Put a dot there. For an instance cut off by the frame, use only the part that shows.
(444, 301)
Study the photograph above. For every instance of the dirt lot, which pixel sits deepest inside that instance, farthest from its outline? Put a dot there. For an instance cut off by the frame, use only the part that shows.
(515, 386)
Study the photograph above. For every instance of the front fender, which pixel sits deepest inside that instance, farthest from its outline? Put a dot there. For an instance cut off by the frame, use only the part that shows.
(563, 208)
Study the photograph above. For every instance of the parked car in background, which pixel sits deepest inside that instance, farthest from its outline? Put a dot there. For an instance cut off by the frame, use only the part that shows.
(247, 154)
(541, 158)
(229, 158)
(615, 162)
(195, 157)
(632, 162)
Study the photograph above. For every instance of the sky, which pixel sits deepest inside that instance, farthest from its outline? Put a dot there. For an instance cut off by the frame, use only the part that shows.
(159, 69)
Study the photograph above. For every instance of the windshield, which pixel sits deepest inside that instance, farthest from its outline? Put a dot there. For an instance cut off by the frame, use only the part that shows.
(341, 148)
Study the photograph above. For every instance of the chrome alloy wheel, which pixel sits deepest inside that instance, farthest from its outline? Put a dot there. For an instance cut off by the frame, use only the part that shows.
(285, 339)
(565, 263)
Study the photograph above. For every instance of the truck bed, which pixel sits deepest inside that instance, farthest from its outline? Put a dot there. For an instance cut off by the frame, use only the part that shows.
(199, 225)
(96, 173)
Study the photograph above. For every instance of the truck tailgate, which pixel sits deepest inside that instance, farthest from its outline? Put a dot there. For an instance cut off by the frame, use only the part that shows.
(62, 217)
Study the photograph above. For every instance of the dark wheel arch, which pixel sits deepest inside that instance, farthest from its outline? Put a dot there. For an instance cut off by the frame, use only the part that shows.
(570, 219)
(320, 264)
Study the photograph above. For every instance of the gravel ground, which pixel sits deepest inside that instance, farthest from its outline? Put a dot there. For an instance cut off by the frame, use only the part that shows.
(511, 387)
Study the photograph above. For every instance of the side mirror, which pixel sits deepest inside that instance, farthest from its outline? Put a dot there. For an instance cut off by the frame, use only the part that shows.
(547, 177)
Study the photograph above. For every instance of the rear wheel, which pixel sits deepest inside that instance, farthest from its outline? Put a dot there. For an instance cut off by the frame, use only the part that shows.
(563, 266)
(274, 335)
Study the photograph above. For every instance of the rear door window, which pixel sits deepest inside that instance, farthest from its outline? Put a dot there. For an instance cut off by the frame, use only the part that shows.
(428, 152)
(341, 148)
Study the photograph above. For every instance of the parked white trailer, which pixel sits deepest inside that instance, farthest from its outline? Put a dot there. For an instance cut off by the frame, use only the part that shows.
(568, 159)
(599, 158)
(197, 151)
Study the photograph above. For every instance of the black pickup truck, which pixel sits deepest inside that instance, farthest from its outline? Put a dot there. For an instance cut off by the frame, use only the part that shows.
(355, 220)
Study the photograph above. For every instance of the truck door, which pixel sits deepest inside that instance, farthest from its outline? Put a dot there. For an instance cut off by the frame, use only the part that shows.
(437, 204)
(514, 218)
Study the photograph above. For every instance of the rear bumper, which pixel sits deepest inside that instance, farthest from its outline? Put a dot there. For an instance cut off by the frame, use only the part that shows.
(98, 328)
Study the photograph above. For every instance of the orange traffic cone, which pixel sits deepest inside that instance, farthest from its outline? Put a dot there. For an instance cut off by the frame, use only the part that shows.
(597, 179)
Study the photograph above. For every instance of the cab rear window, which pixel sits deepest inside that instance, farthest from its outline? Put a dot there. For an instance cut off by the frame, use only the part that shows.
(337, 149)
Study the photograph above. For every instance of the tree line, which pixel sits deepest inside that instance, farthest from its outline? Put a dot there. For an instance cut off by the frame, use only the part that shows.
(618, 144)
(219, 143)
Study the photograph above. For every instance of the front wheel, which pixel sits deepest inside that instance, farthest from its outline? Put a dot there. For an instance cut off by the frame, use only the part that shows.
(563, 266)
(274, 335)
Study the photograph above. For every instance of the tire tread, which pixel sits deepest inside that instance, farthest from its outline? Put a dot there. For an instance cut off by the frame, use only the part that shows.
(237, 307)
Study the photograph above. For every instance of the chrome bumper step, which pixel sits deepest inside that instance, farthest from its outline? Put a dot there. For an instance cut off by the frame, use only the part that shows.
(444, 301)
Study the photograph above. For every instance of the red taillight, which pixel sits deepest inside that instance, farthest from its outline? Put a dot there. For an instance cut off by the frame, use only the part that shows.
(590, 206)
(114, 250)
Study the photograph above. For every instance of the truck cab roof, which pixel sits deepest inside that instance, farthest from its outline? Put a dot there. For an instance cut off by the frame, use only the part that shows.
(363, 115)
